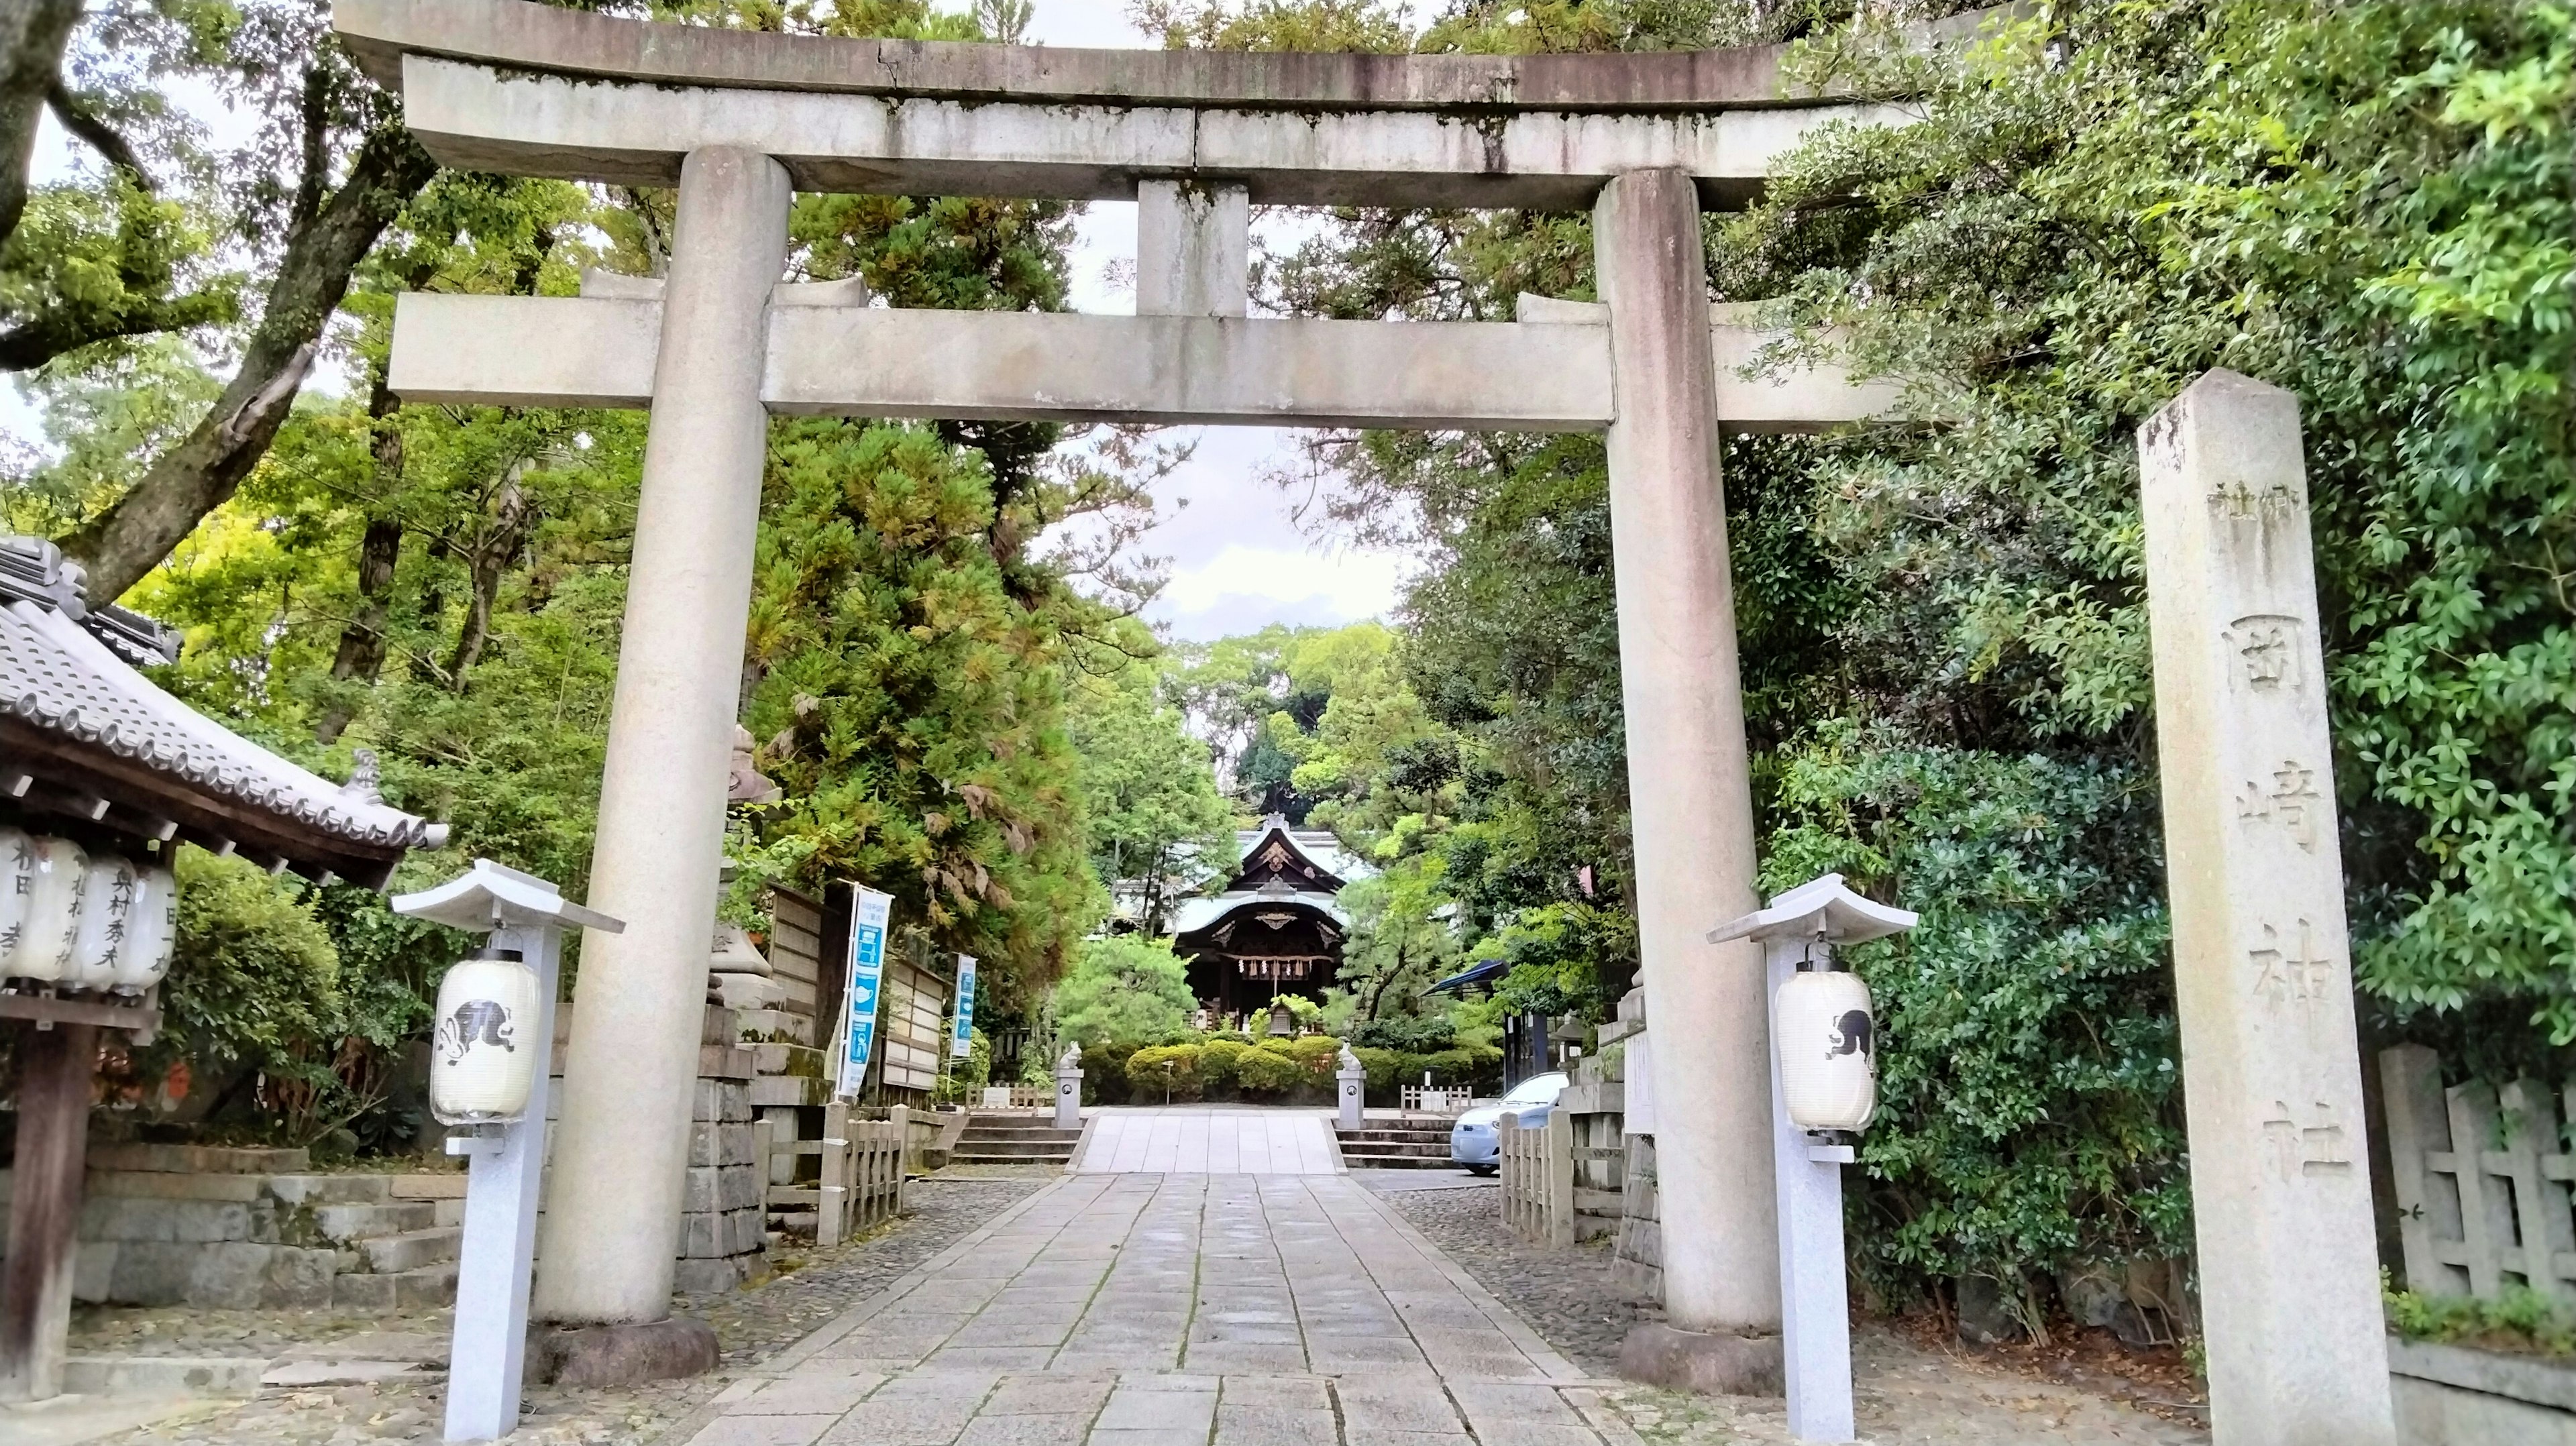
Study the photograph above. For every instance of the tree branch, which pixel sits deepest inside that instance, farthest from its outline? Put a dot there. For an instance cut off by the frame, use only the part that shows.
(32, 36)
(81, 121)
(199, 474)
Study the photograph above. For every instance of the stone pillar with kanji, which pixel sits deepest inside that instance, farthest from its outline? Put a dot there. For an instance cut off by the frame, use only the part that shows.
(2288, 1263)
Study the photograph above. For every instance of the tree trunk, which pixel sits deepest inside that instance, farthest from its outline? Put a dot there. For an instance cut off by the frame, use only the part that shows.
(198, 475)
(491, 557)
(32, 36)
(362, 642)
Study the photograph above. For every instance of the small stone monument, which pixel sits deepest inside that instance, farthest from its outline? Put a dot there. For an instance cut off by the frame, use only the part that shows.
(1353, 1081)
(1068, 1087)
(2262, 966)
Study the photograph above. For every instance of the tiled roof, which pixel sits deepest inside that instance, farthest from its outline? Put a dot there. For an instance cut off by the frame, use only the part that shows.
(69, 670)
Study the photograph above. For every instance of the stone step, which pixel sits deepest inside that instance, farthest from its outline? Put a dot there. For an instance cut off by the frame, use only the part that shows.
(1394, 1132)
(426, 1286)
(376, 1220)
(1395, 1147)
(1356, 1160)
(368, 1189)
(394, 1254)
(199, 1159)
(989, 1125)
(1000, 1156)
(149, 1376)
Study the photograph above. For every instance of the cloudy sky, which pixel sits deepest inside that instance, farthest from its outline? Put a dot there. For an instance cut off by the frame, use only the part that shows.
(1238, 560)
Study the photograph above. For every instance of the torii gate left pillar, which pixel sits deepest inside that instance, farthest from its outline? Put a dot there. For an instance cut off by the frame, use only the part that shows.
(620, 1162)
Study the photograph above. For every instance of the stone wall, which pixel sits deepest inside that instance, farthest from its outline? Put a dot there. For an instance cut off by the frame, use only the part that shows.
(723, 1225)
(226, 1229)
(2455, 1396)
(1637, 1248)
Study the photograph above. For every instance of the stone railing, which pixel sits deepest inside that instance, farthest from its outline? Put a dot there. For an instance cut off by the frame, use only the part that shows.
(859, 1173)
(1538, 1178)
(1016, 1099)
(2481, 1177)
(1434, 1099)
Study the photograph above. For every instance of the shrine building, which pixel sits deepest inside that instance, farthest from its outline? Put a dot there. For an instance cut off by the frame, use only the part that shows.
(1277, 928)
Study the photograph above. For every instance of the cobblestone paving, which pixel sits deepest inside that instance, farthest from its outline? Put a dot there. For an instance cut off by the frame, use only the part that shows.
(750, 1324)
(1903, 1392)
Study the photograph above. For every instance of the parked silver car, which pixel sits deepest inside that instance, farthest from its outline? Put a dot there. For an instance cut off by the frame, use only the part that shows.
(1473, 1141)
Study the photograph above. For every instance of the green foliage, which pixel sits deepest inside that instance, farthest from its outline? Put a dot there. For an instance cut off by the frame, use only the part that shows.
(2029, 1096)
(2520, 1319)
(2364, 204)
(1264, 1073)
(1149, 801)
(1124, 988)
(254, 976)
(1570, 958)
(1165, 1073)
(1218, 1061)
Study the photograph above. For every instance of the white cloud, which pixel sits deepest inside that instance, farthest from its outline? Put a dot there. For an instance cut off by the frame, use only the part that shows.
(1244, 587)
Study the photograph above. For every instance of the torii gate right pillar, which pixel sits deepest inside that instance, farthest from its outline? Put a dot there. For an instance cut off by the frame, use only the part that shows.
(1690, 795)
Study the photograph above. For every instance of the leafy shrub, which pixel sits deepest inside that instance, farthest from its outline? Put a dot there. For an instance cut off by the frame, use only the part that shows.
(2029, 1114)
(1104, 1072)
(2519, 1319)
(1217, 1060)
(1163, 1072)
(1267, 1074)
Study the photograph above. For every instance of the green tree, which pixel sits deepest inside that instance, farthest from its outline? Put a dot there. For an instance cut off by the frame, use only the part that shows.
(1149, 801)
(1124, 989)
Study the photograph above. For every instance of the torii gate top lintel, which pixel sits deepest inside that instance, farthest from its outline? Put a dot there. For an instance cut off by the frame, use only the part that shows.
(530, 89)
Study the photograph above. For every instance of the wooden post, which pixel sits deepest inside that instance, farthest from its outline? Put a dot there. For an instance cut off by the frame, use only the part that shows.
(832, 1198)
(902, 1166)
(44, 1208)
(1560, 1178)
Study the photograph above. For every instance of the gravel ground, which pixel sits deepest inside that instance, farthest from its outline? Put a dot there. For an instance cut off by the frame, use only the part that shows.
(1905, 1390)
(811, 1287)
(1565, 1294)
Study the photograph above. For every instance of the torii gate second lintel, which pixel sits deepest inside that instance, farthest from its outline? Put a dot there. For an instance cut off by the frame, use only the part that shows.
(740, 122)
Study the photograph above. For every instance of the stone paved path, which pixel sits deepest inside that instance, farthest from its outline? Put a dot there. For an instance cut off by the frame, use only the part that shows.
(1210, 1142)
(1176, 1310)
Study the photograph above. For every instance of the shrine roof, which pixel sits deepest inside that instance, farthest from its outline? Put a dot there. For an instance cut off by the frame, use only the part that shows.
(88, 733)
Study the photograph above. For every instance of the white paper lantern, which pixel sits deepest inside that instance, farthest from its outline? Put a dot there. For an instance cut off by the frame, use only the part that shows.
(45, 880)
(1820, 1024)
(484, 1053)
(150, 934)
(17, 894)
(108, 899)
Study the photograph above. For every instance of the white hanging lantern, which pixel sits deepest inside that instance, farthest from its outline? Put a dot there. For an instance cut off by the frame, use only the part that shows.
(151, 933)
(45, 880)
(483, 1058)
(1820, 1024)
(108, 898)
(17, 895)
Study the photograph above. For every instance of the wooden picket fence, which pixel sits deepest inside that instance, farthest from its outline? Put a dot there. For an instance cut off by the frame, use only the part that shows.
(1434, 1099)
(2482, 1178)
(1022, 1098)
(1538, 1178)
(859, 1177)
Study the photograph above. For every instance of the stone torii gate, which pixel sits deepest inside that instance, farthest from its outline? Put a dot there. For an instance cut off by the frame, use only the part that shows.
(738, 121)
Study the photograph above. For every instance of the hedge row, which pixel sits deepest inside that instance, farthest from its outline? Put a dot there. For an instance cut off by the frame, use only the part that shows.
(1269, 1071)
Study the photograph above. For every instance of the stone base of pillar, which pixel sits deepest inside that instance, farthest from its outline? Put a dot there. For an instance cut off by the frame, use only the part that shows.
(1712, 1365)
(622, 1355)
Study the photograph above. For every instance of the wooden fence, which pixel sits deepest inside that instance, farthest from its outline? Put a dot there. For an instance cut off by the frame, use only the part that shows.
(858, 1177)
(1434, 1099)
(1028, 1098)
(1538, 1178)
(2483, 1180)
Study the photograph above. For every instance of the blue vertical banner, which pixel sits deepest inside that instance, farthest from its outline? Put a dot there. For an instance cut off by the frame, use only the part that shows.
(869, 911)
(961, 1040)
